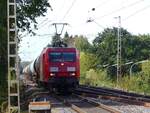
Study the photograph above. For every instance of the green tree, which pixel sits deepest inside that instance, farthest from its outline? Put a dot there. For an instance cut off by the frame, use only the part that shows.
(146, 70)
(27, 12)
(82, 44)
(145, 77)
(134, 48)
(57, 41)
(66, 36)
(69, 40)
(91, 77)
(140, 46)
(105, 45)
(87, 61)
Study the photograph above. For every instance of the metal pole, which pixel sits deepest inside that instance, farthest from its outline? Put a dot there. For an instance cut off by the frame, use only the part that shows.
(119, 51)
(135, 64)
(131, 69)
(13, 58)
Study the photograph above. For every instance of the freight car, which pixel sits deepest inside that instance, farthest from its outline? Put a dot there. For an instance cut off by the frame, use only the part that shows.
(56, 68)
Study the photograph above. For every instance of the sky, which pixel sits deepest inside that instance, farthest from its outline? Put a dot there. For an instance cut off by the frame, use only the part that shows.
(135, 17)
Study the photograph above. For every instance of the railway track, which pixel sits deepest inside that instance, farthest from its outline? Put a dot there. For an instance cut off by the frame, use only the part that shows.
(95, 100)
(106, 92)
(84, 105)
(123, 107)
(124, 101)
(68, 103)
(117, 91)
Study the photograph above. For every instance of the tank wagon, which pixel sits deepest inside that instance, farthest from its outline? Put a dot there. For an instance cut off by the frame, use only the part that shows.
(56, 67)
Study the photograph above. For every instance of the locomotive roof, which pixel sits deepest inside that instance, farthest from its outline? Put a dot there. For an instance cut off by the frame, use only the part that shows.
(59, 48)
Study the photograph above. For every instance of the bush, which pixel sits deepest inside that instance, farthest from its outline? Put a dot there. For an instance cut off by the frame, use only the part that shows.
(96, 78)
(138, 83)
(91, 77)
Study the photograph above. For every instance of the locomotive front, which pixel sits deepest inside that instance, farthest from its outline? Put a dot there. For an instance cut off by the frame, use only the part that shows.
(57, 68)
(64, 70)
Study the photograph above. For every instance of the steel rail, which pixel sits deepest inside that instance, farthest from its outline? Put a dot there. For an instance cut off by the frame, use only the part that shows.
(74, 107)
(112, 95)
(100, 105)
(91, 102)
(116, 92)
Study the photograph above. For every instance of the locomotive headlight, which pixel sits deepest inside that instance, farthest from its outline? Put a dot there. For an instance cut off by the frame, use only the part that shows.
(71, 69)
(53, 69)
(72, 74)
(52, 74)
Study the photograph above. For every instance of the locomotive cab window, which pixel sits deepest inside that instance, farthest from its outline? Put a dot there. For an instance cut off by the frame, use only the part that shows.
(62, 56)
(55, 57)
(68, 57)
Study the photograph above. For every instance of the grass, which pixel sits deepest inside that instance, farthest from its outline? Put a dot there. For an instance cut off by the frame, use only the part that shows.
(138, 83)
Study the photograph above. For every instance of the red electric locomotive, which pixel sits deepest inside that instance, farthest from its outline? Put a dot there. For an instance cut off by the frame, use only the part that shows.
(57, 67)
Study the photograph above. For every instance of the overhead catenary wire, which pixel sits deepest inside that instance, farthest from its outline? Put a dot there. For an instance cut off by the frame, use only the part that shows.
(99, 24)
(43, 35)
(92, 20)
(29, 44)
(40, 25)
(43, 21)
(44, 24)
(136, 12)
(102, 4)
(37, 35)
(110, 13)
(119, 9)
(38, 28)
(62, 6)
(73, 2)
